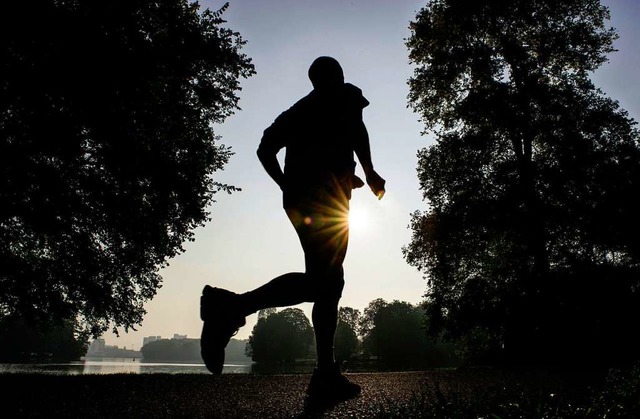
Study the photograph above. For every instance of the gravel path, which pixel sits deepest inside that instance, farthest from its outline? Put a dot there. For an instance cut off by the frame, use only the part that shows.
(429, 394)
(196, 396)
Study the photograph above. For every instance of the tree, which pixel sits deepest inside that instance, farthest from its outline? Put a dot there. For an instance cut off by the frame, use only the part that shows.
(266, 312)
(366, 323)
(346, 338)
(397, 335)
(282, 336)
(350, 316)
(107, 150)
(22, 342)
(530, 239)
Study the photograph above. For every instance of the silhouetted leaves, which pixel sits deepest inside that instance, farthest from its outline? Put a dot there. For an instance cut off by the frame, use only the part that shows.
(531, 183)
(282, 336)
(394, 333)
(107, 150)
(49, 341)
(346, 343)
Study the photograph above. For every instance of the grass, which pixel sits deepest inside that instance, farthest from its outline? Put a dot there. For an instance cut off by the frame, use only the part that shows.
(463, 393)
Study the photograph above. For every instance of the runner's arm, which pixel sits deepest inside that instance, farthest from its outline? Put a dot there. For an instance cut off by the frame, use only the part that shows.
(268, 158)
(363, 152)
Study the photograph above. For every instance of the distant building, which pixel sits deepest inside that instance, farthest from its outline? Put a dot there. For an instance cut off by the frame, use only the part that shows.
(96, 346)
(99, 349)
(150, 339)
(177, 336)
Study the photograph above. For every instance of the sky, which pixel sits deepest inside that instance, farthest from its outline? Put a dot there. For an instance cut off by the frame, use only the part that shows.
(249, 240)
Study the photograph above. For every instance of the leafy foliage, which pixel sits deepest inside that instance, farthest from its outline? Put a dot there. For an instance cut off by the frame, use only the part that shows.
(282, 336)
(22, 342)
(188, 350)
(530, 239)
(366, 323)
(107, 151)
(394, 333)
(347, 344)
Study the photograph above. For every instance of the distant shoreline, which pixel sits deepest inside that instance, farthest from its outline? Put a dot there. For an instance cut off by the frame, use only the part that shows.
(161, 360)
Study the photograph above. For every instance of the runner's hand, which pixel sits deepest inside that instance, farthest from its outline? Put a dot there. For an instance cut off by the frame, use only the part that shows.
(376, 183)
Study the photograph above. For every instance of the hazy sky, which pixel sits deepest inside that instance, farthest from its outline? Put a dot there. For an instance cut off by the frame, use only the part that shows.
(250, 240)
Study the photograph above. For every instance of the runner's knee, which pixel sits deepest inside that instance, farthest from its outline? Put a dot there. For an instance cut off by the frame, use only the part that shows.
(329, 286)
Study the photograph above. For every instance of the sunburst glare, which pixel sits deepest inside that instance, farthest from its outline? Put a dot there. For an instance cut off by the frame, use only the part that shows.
(358, 218)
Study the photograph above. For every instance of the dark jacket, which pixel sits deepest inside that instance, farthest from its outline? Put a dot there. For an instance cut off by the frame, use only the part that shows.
(318, 134)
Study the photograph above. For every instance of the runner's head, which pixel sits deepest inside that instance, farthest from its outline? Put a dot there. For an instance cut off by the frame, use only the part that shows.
(325, 72)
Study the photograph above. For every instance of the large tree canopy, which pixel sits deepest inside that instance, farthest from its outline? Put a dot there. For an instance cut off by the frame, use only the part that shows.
(107, 149)
(280, 336)
(394, 333)
(47, 341)
(531, 237)
(397, 336)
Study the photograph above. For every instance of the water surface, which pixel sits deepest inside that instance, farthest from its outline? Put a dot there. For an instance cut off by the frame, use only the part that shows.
(117, 366)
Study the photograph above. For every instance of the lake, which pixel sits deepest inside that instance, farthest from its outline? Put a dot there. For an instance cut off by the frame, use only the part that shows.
(117, 366)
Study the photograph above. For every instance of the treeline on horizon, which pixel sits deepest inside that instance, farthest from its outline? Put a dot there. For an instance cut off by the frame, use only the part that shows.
(188, 350)
(529, 239)
(385, 335)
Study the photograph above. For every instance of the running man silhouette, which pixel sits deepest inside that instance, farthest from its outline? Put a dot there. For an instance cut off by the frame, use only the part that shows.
(320, 134)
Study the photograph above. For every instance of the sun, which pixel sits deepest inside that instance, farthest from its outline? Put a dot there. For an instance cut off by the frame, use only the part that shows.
(358, 218)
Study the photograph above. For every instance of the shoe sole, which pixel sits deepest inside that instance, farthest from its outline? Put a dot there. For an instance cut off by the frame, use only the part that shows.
(212, 354)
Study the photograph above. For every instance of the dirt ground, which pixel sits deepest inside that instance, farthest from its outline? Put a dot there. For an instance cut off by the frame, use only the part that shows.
(384, 395)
